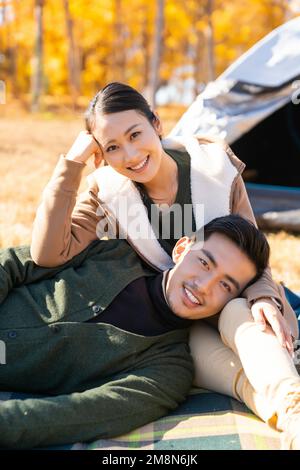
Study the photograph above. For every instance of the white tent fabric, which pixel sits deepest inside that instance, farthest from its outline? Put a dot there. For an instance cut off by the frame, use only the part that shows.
(275, 57)
(261, 81)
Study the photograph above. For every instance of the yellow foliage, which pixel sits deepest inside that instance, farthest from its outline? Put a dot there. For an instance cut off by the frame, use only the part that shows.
(114, 39)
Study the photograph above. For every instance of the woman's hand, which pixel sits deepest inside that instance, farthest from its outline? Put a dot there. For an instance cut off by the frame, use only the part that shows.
(265, 311)
(83, 148)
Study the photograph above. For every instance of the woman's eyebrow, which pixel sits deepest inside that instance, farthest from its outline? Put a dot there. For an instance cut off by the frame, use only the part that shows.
(125, 133)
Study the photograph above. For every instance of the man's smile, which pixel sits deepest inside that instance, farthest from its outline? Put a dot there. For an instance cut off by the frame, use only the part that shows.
(189, 299)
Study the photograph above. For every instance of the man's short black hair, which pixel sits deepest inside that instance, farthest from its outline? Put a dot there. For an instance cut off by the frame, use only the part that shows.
(243, 233)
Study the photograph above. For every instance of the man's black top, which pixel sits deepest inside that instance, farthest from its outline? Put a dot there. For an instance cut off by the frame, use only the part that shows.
(141, 308)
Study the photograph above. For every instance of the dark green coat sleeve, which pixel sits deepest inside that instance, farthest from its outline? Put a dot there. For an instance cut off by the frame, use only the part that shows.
(17, 267)
(117, 407)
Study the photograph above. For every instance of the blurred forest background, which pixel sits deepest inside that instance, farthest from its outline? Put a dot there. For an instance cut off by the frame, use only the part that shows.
(71, 48)
(56, 54)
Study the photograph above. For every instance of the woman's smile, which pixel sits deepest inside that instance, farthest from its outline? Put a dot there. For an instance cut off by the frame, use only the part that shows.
(140, 166)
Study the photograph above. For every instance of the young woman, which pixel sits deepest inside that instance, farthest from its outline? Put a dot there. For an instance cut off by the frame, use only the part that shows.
(148, 174)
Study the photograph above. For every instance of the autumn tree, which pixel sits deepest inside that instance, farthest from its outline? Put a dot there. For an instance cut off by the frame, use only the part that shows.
(73, 63)
(8, 49)
(210, 40)
(37, 74)
(69, 48)
(157, 51)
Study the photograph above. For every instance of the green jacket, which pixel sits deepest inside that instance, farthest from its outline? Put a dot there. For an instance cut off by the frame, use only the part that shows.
(96, 380)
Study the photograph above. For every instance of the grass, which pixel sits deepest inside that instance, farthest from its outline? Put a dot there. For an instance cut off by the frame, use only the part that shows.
(29, 149)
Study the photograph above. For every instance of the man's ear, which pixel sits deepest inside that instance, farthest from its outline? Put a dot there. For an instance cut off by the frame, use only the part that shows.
(157, 124)
(180, 249)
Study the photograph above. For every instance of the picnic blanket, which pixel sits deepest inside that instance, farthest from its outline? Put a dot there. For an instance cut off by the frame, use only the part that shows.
(205, 421)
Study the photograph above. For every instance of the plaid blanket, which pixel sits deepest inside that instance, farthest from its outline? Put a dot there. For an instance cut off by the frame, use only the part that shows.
(205, 420)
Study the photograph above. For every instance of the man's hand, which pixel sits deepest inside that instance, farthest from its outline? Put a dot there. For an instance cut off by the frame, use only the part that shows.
(264, 311)
(83, 148)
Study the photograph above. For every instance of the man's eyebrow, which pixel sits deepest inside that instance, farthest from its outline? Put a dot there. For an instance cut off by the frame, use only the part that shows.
(233, 281)
(230, 278)
(210, 257)
(125, 133)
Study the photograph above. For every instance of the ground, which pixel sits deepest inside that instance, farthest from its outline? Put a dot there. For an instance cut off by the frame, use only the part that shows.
(29, 148)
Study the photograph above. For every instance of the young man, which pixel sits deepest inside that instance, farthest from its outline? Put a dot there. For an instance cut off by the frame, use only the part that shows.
(97, 336)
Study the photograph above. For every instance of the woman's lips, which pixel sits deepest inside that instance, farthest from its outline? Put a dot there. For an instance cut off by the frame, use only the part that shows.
(141, 166)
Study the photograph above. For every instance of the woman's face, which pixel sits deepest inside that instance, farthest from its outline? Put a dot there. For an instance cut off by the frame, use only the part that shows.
(130, 144)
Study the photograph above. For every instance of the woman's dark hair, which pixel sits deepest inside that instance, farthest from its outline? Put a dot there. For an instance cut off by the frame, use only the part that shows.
(116, 97)
(243, 234)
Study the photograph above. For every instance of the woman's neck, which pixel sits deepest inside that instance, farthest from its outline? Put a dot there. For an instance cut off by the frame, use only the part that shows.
(163, 187)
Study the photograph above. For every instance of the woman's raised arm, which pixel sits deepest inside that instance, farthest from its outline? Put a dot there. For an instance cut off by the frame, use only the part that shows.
(64, 225)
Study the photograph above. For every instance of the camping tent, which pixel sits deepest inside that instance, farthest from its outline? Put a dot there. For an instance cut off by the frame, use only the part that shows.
(255, 106)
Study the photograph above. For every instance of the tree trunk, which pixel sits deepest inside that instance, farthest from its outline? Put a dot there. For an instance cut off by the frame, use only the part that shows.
(198, 61)
(119, 56)
(197, 14)
(37, 74)
(3, 41)
(12, 54)
(210, 41)
(73, 60)
(145, 48)
(9, 50)
(157, 52)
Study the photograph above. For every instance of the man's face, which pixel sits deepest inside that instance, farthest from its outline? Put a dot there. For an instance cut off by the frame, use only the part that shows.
(205, 279)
